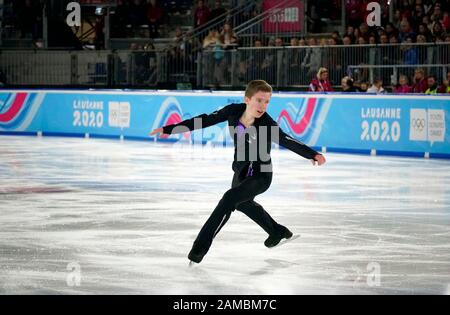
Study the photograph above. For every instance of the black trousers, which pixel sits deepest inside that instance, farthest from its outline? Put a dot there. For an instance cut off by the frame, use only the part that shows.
(240, 196)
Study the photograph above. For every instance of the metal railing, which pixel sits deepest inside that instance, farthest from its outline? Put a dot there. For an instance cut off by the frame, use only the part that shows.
(283, 67)
(296, 66)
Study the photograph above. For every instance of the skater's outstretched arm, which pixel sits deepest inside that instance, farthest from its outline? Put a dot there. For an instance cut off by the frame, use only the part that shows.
(296, 146)
(197, 122)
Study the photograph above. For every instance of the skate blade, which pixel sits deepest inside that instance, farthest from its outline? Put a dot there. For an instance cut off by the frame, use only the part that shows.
(191, 264)
(284, 241)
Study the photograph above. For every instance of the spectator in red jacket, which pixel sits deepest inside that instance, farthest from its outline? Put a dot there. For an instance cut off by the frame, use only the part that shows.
(155, 14)
(321, 82)
(420, 84)
(402, 86)
(201, 14)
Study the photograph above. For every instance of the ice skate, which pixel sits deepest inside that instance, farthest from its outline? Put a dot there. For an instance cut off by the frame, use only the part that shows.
(274, 240)
(195, 256)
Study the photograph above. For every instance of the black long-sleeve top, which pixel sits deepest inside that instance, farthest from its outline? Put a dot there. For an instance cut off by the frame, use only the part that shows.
(254, 147)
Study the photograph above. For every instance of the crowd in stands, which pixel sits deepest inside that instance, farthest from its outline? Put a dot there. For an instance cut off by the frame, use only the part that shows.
(421, 83)
(415, 21)
(26, 17)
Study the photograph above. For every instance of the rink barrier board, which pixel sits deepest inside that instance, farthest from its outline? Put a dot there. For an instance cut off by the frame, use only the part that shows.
(150, 139)
(332, 121)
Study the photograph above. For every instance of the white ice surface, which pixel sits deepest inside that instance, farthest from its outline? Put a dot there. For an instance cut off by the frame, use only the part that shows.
(128, 212)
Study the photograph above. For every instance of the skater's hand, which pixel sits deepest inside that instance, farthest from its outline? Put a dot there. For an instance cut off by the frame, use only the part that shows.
(156, 131)
(319, 159)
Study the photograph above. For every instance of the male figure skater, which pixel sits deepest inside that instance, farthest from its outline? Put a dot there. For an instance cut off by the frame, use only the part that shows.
(253, 132)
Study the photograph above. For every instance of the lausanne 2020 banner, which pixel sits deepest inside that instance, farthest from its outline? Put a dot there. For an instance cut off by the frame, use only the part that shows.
(391, 124)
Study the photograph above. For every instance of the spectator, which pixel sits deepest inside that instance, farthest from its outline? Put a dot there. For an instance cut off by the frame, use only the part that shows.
(293, 58)
(258, 43)
(313, 57)
(437, 15)
(347, 41)
(294, 42)
(323, 42)
(363, 87)
(438, 31)
(155, 15)
(178, 35)
(422, 50)
(384, 39)
(377, 87)
(333, 59)
(393, 40)
(364, 31)
(255, 61)
(136, 14)
(418, 15)
(321, 82)
(405, 31)
(220, 61)
(348, 85)
(361, 41)
(279, 42)
(409, 52)
(426, 20)
(120, 19)
(420, 82)
(29, 15)
(425, 31)
(432, 85)
(351, 34)
(314, 16)
(391, 30)
(402, 87)
(446, 21)
(397, 19)
(229, 36)
(445, 87)
(150, 74)
(337, 37)
(211, 39)
(219, 10)
(269, 64)
(354, 12)
(99, 35)
(201, 14)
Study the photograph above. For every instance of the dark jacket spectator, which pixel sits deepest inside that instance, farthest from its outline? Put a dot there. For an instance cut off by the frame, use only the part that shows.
(391, 30)
(137, 13)
(219, 10)
(348, 85)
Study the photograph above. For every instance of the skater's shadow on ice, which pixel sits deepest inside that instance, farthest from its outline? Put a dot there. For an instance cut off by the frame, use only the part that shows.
(273, 265)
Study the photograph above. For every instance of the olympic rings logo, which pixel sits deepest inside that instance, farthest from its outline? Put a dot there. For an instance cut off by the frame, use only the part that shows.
(418, 124)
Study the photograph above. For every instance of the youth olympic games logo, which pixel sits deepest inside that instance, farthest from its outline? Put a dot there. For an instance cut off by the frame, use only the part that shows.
(304, 121)
(169, 113)
(17, 110)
